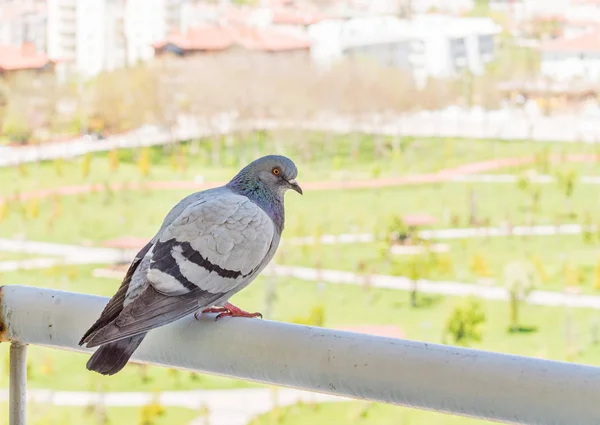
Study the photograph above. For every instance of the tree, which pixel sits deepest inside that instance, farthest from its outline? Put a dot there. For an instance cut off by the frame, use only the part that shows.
(145, 162)
(566, 182)
(15, 125)
(520, 279)
(465, 323)
(597, 276)
(86, 164)
(113, 159)
(150, 413)
(4, 210)
(479, 266)
(315, 318)
(415, 268)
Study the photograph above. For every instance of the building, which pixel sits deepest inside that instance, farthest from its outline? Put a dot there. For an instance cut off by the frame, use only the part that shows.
(452, 7)
(457, 44)
(92, 36)
(282, 15)
(526, 10)
(148, 22)
(578, 57)
(210, 39)
(86, 35)
(22, 23)
(23, 58)
(584, 10)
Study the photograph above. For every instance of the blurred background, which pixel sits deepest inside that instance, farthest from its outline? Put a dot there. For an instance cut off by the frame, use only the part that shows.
(443, 145)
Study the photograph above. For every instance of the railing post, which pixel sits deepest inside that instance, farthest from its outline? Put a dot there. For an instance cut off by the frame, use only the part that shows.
(17, 394)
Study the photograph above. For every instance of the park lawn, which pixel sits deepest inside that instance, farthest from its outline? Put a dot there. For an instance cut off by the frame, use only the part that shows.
(338, 159)
(579, 168)
(559, 260)
(14, 256)
(96, 217)
(41, 414)
(358, 413)
(295, 300)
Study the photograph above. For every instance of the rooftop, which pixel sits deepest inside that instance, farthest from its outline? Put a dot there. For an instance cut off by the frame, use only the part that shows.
(589, 42)
(14, 58)
(218, 38)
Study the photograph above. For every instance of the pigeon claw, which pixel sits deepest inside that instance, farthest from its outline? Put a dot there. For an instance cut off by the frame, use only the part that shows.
(210, 310)
(229, 310)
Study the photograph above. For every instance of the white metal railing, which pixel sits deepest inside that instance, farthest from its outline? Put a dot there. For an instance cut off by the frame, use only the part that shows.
(461, 381)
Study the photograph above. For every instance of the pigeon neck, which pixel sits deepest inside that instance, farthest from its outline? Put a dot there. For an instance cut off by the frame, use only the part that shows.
(269, 202)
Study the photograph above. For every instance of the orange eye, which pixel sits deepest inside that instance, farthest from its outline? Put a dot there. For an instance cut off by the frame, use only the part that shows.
(276, 171)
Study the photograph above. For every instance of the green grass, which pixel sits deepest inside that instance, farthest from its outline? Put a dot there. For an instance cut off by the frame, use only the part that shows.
(342, 157)
(551, 255)
(39, 414)
(343, 305)
(358, 413)
(101, 216)
(13, 256)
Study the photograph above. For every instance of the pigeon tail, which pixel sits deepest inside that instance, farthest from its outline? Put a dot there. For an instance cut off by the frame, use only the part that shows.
(112, 357)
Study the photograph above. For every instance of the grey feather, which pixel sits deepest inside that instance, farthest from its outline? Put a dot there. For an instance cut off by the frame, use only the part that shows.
(211, 245)
(111, 358)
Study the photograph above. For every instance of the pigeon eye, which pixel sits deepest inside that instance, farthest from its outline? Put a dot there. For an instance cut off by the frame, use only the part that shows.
(276, 171)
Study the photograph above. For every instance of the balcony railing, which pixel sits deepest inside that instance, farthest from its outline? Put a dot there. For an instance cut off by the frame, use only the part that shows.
(448, 379)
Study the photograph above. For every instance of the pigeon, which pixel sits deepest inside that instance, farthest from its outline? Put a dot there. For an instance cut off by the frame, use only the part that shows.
(211, 245)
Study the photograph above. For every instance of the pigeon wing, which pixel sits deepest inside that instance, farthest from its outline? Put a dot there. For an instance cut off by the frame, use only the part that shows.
(215, 246)
(115, 305)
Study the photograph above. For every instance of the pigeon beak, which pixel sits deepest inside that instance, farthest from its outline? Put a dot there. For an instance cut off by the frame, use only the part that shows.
(295, 186)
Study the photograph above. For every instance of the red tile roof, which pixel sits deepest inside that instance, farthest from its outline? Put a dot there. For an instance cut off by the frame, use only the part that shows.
(217, 38)
(211, 38)
(583, 23)
(14, 58)
(589, 42)
(297, 15)
(269, 40)
(587, 2)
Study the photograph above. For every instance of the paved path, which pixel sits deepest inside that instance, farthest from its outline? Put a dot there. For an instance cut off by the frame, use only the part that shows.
(503, 125)
(452, 233)
(511, 178)
(454, 174)
(226, 407)
(452, 288)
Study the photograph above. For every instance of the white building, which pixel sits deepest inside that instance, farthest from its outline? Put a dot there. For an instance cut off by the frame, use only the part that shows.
(427, 45)
(526, 10)
(584, 10)
(454, 7)
(572, 58)
(91, 36)
(23, 22)
(86, 35)
(147, 22)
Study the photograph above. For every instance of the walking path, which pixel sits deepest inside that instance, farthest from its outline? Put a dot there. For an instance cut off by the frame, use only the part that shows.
(503, 125)
(452, 288)
(74, 254)
(452, 233)
(454, 174)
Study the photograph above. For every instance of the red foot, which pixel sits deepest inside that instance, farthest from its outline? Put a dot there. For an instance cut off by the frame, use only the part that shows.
(228, 310)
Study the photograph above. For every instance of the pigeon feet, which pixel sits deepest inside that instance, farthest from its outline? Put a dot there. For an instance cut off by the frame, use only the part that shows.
(228, 310)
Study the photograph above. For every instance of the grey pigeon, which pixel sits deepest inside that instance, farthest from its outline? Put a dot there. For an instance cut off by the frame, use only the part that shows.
(211, 245)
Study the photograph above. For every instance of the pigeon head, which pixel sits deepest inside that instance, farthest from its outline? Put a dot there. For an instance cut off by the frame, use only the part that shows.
(274, 174)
